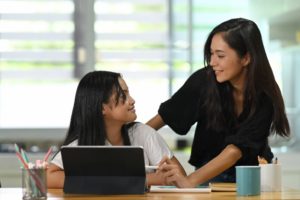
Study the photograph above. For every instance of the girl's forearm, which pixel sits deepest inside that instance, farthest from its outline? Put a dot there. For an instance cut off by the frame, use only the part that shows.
(154, 179)
(55, 179)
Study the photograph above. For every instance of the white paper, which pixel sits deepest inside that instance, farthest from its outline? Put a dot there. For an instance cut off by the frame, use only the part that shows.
(161, 188)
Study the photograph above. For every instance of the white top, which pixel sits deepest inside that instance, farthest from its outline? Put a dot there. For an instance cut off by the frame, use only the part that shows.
(139, 135)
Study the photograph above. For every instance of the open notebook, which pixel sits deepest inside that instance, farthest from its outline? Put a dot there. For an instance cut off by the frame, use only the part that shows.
(162, 188)
(213, 187)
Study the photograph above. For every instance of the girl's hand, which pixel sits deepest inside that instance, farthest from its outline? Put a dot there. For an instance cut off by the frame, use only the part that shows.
(172, 174)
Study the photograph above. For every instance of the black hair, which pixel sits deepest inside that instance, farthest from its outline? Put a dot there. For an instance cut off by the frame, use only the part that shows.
(87, 123)
(244, 37)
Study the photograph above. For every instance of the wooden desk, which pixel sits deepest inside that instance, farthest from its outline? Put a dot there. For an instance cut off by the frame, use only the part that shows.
(57, 194)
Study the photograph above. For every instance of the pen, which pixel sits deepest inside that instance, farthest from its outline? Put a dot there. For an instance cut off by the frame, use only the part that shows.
(151, 167)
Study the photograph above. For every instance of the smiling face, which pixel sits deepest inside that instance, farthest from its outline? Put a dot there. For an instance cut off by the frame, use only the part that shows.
(226, 63)
(122, 112)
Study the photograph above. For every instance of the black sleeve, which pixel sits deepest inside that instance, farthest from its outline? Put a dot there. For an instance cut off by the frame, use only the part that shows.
(252, 134)
(181, 110)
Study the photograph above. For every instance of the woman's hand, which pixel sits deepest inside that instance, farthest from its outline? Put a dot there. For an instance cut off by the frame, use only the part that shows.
(173, 174)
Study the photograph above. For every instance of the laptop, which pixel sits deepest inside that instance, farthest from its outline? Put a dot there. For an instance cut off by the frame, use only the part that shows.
(104, 170)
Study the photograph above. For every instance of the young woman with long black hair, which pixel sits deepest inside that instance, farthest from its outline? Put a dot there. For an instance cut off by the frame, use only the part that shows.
(104, 114)
(235, 102)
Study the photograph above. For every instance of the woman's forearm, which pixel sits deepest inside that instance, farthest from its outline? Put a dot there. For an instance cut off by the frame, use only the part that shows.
(156, 122)
(227, 158)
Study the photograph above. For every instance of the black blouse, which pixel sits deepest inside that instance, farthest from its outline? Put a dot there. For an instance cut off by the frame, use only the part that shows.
(250, 135)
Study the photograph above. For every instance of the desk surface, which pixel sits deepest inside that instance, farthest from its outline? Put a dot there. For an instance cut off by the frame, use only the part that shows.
(57, 194)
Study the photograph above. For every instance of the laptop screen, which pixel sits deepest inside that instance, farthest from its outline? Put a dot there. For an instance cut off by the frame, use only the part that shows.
(104, 169)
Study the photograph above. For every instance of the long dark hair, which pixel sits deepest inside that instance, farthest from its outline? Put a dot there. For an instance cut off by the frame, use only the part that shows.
(243, 36)
(87, 124)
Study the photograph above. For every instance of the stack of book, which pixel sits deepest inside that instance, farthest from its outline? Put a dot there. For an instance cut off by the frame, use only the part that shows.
(222, 187)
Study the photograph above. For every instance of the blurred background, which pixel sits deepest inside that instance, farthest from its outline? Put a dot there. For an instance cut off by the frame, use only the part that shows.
(46, 46)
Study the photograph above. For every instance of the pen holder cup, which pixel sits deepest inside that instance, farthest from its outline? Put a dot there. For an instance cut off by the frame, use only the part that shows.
(34, 184)
(270, 177)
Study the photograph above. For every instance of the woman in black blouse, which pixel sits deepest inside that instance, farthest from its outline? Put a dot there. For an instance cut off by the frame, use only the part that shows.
(235, 102)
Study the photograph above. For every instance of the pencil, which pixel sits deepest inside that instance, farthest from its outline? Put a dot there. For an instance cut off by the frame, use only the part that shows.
(22, 160)
(47, 154)
(25, 157)
(25, 165)
(18, 153)
(17, 148)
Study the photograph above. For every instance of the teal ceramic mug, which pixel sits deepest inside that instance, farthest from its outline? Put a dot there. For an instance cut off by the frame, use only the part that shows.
(248, 180)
